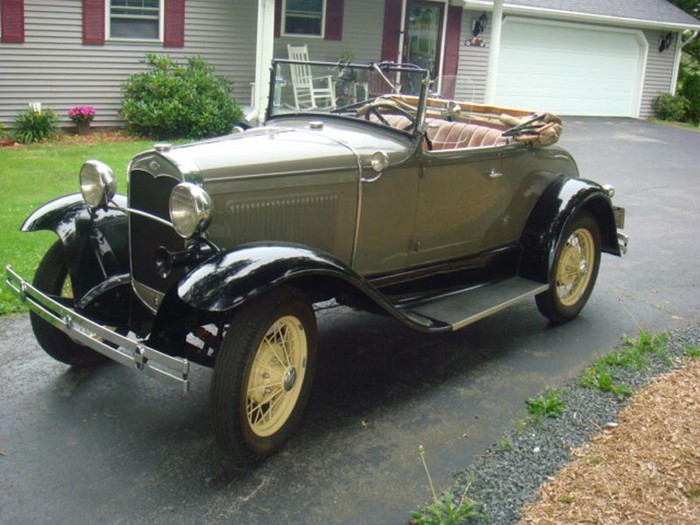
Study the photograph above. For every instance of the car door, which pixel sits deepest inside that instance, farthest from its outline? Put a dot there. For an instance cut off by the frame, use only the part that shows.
(466, 203)
(386, 219)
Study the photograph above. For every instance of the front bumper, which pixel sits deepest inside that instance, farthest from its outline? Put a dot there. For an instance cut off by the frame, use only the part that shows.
(128, 352)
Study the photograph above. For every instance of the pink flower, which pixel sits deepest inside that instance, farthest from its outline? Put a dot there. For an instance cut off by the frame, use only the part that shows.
(82, 114)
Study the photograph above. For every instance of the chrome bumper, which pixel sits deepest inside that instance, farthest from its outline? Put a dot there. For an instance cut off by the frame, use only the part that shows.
(622, 241)
(128, 352)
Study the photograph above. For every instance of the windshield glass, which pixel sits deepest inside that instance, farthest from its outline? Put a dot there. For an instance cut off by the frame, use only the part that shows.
(362, 91)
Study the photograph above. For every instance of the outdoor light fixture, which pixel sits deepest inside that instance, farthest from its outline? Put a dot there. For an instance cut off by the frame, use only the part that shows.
(480, 24)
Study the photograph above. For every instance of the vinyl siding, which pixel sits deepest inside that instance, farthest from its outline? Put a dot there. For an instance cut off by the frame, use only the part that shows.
(473, 62)
(53, 66)
(363, 24)
(659, 71)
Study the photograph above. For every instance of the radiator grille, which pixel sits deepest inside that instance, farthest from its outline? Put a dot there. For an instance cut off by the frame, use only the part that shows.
(151, 195)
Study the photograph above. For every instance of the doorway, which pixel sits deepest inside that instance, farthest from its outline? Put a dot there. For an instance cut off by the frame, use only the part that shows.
(423, 29)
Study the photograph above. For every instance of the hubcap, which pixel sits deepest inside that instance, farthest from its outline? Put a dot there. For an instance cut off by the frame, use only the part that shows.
(573, 269)
(290, 378)
(276, 376)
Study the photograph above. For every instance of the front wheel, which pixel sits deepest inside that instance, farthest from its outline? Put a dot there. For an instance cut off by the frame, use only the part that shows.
(575, 269)
(263, 374)
(52, 278)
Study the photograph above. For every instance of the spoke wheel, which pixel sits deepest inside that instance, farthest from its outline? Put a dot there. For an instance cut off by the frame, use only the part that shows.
(275, 379)
(263, 374)
(52, 278)
(575, 269)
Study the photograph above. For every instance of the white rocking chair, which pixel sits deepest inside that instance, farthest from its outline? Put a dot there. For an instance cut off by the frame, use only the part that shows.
(309, 91)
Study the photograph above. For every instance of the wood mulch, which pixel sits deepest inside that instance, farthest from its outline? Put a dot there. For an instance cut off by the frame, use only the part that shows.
(644, 470)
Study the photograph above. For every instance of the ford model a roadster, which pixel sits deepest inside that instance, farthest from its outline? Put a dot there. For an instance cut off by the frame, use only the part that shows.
(372, 194)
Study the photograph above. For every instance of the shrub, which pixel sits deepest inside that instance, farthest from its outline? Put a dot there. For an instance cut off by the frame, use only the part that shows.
(691, 91)
(173, 100)
(34, 125)
(670, 107)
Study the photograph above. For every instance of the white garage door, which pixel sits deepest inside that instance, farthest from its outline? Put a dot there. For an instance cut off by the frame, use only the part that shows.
(570, 69)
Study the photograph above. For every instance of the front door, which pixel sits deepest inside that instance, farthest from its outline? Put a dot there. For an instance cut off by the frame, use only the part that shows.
(423, 36)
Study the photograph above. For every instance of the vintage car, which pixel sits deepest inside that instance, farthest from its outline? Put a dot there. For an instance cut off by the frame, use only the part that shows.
(370, 193)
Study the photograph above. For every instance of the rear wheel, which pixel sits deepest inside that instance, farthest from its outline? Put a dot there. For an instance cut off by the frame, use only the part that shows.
(574, 271)
(263, 374)
(52, 278)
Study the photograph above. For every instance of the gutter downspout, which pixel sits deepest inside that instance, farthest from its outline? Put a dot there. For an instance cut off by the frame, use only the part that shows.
(494, 51)
(264, 52)
(677, 59)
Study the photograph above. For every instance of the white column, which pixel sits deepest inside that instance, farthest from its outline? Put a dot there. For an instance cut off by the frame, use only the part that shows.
(494, 51)
(264, 52)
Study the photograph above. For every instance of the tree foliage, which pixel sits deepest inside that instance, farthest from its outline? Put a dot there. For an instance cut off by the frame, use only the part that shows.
(692, 7)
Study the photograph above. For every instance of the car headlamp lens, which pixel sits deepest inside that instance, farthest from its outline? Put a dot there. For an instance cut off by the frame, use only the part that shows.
(190, 209)
(97, 183)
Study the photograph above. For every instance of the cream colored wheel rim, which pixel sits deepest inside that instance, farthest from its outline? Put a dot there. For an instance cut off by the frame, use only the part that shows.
(575, 266)
(276, 376)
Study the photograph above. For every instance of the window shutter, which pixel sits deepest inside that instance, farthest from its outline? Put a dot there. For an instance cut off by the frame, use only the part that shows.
(174, 23)
(12, 14)
(452, 41)
(278, 18)
(334, 19)
(94, 22)
(392, 30)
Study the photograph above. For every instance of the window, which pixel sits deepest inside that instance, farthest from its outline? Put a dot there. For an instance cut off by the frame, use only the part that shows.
(135, 19)
(304, 17)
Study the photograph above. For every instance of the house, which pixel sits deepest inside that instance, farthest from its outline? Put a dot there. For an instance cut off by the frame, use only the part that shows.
(575, 57)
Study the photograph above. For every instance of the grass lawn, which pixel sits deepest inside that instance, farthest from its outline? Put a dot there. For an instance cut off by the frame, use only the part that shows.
(33, 175)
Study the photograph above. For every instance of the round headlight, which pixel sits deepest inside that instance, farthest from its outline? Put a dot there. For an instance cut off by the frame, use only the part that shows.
(97, 183)
(190, 209)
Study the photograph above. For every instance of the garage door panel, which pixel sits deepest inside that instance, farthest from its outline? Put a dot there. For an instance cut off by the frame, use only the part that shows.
(568, 69)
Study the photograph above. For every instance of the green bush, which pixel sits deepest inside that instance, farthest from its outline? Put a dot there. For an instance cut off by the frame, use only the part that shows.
(34, 126)
(173, 100)
(691, 91)
(670, 107)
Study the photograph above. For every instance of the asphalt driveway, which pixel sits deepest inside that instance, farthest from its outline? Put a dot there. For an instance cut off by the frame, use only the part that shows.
(108, 446)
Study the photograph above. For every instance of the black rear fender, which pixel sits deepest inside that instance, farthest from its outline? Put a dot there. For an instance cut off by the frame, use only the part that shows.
(564, 197)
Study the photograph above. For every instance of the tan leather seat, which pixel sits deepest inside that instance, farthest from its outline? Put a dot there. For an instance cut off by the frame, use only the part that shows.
(454, 135)
(450, 135)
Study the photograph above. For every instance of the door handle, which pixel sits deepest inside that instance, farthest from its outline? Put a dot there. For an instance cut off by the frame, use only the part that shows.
(493, 174)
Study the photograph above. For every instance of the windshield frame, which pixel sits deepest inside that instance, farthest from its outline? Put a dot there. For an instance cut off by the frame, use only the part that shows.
(382, 67)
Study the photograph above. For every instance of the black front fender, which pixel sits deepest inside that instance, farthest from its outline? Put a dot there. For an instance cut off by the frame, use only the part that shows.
(96, 244)
(564, 197)
(229, 279)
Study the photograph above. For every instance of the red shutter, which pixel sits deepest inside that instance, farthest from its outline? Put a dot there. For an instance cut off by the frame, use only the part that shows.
(278, 18)
(174, 23)
(453, 38)
(12, 20)
(94, 22)
(334, 19)
(392, 30)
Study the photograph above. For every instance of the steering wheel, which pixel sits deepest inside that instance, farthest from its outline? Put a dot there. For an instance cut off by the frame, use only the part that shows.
(373, 109)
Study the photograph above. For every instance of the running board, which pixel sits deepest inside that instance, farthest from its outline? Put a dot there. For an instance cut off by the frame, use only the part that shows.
(462, 308)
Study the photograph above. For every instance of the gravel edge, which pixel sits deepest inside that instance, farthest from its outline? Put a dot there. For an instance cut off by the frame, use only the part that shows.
(507, 476)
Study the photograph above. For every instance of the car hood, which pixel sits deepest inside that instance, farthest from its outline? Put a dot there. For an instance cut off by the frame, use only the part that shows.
(286, 148)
